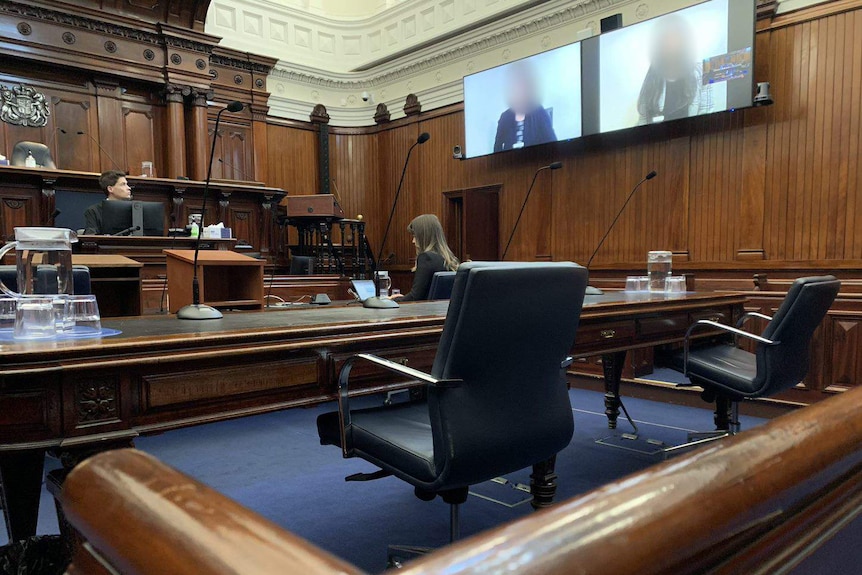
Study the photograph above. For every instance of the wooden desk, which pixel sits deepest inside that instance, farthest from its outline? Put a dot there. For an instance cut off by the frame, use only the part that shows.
(79, 397)
(115, 281)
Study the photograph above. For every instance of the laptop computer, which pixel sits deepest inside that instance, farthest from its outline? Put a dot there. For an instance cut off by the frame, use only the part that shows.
(364, 289)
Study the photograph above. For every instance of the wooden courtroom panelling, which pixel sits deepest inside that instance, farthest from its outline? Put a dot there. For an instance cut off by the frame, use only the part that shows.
(778, 183)
(143, 137)
(292, 159)
(234, 151)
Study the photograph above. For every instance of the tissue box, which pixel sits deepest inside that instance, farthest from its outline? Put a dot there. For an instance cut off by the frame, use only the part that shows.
(217, 233)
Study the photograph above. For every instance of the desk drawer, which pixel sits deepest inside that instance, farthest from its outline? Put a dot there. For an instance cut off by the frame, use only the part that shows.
(616, 331)
(664, 325)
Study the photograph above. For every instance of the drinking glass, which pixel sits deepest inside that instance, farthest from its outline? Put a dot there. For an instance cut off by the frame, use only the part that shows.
(62, 318)
(84, 313)
(8, 305)
(637, 283)
(658, 269)
(676, 284)
(385, 283)
(34, 318)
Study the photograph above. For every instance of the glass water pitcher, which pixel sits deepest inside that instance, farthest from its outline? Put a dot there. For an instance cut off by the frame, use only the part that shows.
(40, 254)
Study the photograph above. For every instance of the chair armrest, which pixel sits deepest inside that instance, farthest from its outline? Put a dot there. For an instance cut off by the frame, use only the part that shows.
(747, 316)
(408, 371)
(343, 388)
(721, 326)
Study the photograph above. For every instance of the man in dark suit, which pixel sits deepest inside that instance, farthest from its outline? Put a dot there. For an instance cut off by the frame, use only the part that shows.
(117, 187)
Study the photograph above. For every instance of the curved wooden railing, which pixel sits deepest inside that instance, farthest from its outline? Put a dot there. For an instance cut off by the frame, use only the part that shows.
(748, 504)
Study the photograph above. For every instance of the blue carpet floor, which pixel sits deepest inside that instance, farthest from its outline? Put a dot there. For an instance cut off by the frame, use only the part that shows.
(274, 465)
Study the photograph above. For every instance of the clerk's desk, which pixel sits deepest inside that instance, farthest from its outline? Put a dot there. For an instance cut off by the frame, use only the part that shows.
(78, 397)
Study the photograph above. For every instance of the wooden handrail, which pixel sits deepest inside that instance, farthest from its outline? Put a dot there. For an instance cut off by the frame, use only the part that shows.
(142, 517)
(746, 504)
(736, 506)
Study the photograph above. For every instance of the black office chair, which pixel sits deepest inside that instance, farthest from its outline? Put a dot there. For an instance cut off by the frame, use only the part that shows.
(40, 152)
(780, 361)
(46, 279)
(441, 286)
(497, 400)
(301, 265)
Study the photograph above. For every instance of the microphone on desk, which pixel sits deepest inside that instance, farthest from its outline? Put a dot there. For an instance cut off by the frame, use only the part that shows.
(104, 151)
(593, 290)
(377, 302)
(127, 231)
(197, 310)
(551, 166)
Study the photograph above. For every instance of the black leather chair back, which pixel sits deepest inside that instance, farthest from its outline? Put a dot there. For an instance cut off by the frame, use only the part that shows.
(46, 279)
(784, 365)
(441, 285)
(301, 265)
(40, 152)
(508, 328)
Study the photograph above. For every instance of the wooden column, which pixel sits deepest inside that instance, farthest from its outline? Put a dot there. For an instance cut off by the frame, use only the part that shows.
(175, 132)
(197, 130)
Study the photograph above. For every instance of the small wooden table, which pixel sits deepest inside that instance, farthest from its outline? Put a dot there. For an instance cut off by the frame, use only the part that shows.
(227, 279)
(115, 281)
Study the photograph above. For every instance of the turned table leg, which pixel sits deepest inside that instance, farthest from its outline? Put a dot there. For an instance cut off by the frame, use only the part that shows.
(612, 365)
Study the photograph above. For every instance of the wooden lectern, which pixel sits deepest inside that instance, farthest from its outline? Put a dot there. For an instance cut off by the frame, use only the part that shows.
(227, 279)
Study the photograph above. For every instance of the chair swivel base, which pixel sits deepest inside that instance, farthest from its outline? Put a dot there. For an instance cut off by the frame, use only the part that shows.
(398, 554)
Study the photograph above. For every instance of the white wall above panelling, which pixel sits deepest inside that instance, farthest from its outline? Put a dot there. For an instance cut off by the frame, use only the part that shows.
(424, 47)
(348, 35)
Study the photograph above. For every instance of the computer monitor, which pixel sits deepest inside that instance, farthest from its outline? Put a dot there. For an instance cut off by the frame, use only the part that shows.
(118, 216)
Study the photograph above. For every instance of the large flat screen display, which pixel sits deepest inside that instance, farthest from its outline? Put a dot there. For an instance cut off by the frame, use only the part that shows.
(524, 103)
(695, 61)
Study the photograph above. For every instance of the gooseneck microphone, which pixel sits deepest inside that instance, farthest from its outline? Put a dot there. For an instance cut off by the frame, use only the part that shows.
(376, 301)
(551, 166)
(234, 168)
(127, 231)
(197, 310)
(595, 291)
(104, 151)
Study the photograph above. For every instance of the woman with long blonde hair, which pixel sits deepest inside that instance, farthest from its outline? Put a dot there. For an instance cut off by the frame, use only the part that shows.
(432, 255)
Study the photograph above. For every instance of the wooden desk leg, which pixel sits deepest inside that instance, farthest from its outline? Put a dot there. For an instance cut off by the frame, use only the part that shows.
(612, 365)
(543, 483)
(21, 475)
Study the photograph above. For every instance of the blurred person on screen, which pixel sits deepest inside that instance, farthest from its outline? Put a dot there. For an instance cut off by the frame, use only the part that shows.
(525, 122)
(673, 87)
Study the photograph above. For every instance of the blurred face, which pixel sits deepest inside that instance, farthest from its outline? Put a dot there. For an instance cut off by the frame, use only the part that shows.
(522, 90)
(672, 52)
(120, 191)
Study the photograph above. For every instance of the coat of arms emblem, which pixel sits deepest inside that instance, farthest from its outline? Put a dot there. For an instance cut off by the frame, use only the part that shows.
(23, 106)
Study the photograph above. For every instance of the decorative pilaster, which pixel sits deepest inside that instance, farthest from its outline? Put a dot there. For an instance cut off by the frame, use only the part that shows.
(197, 137)
(320, 117)
(175, 132)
